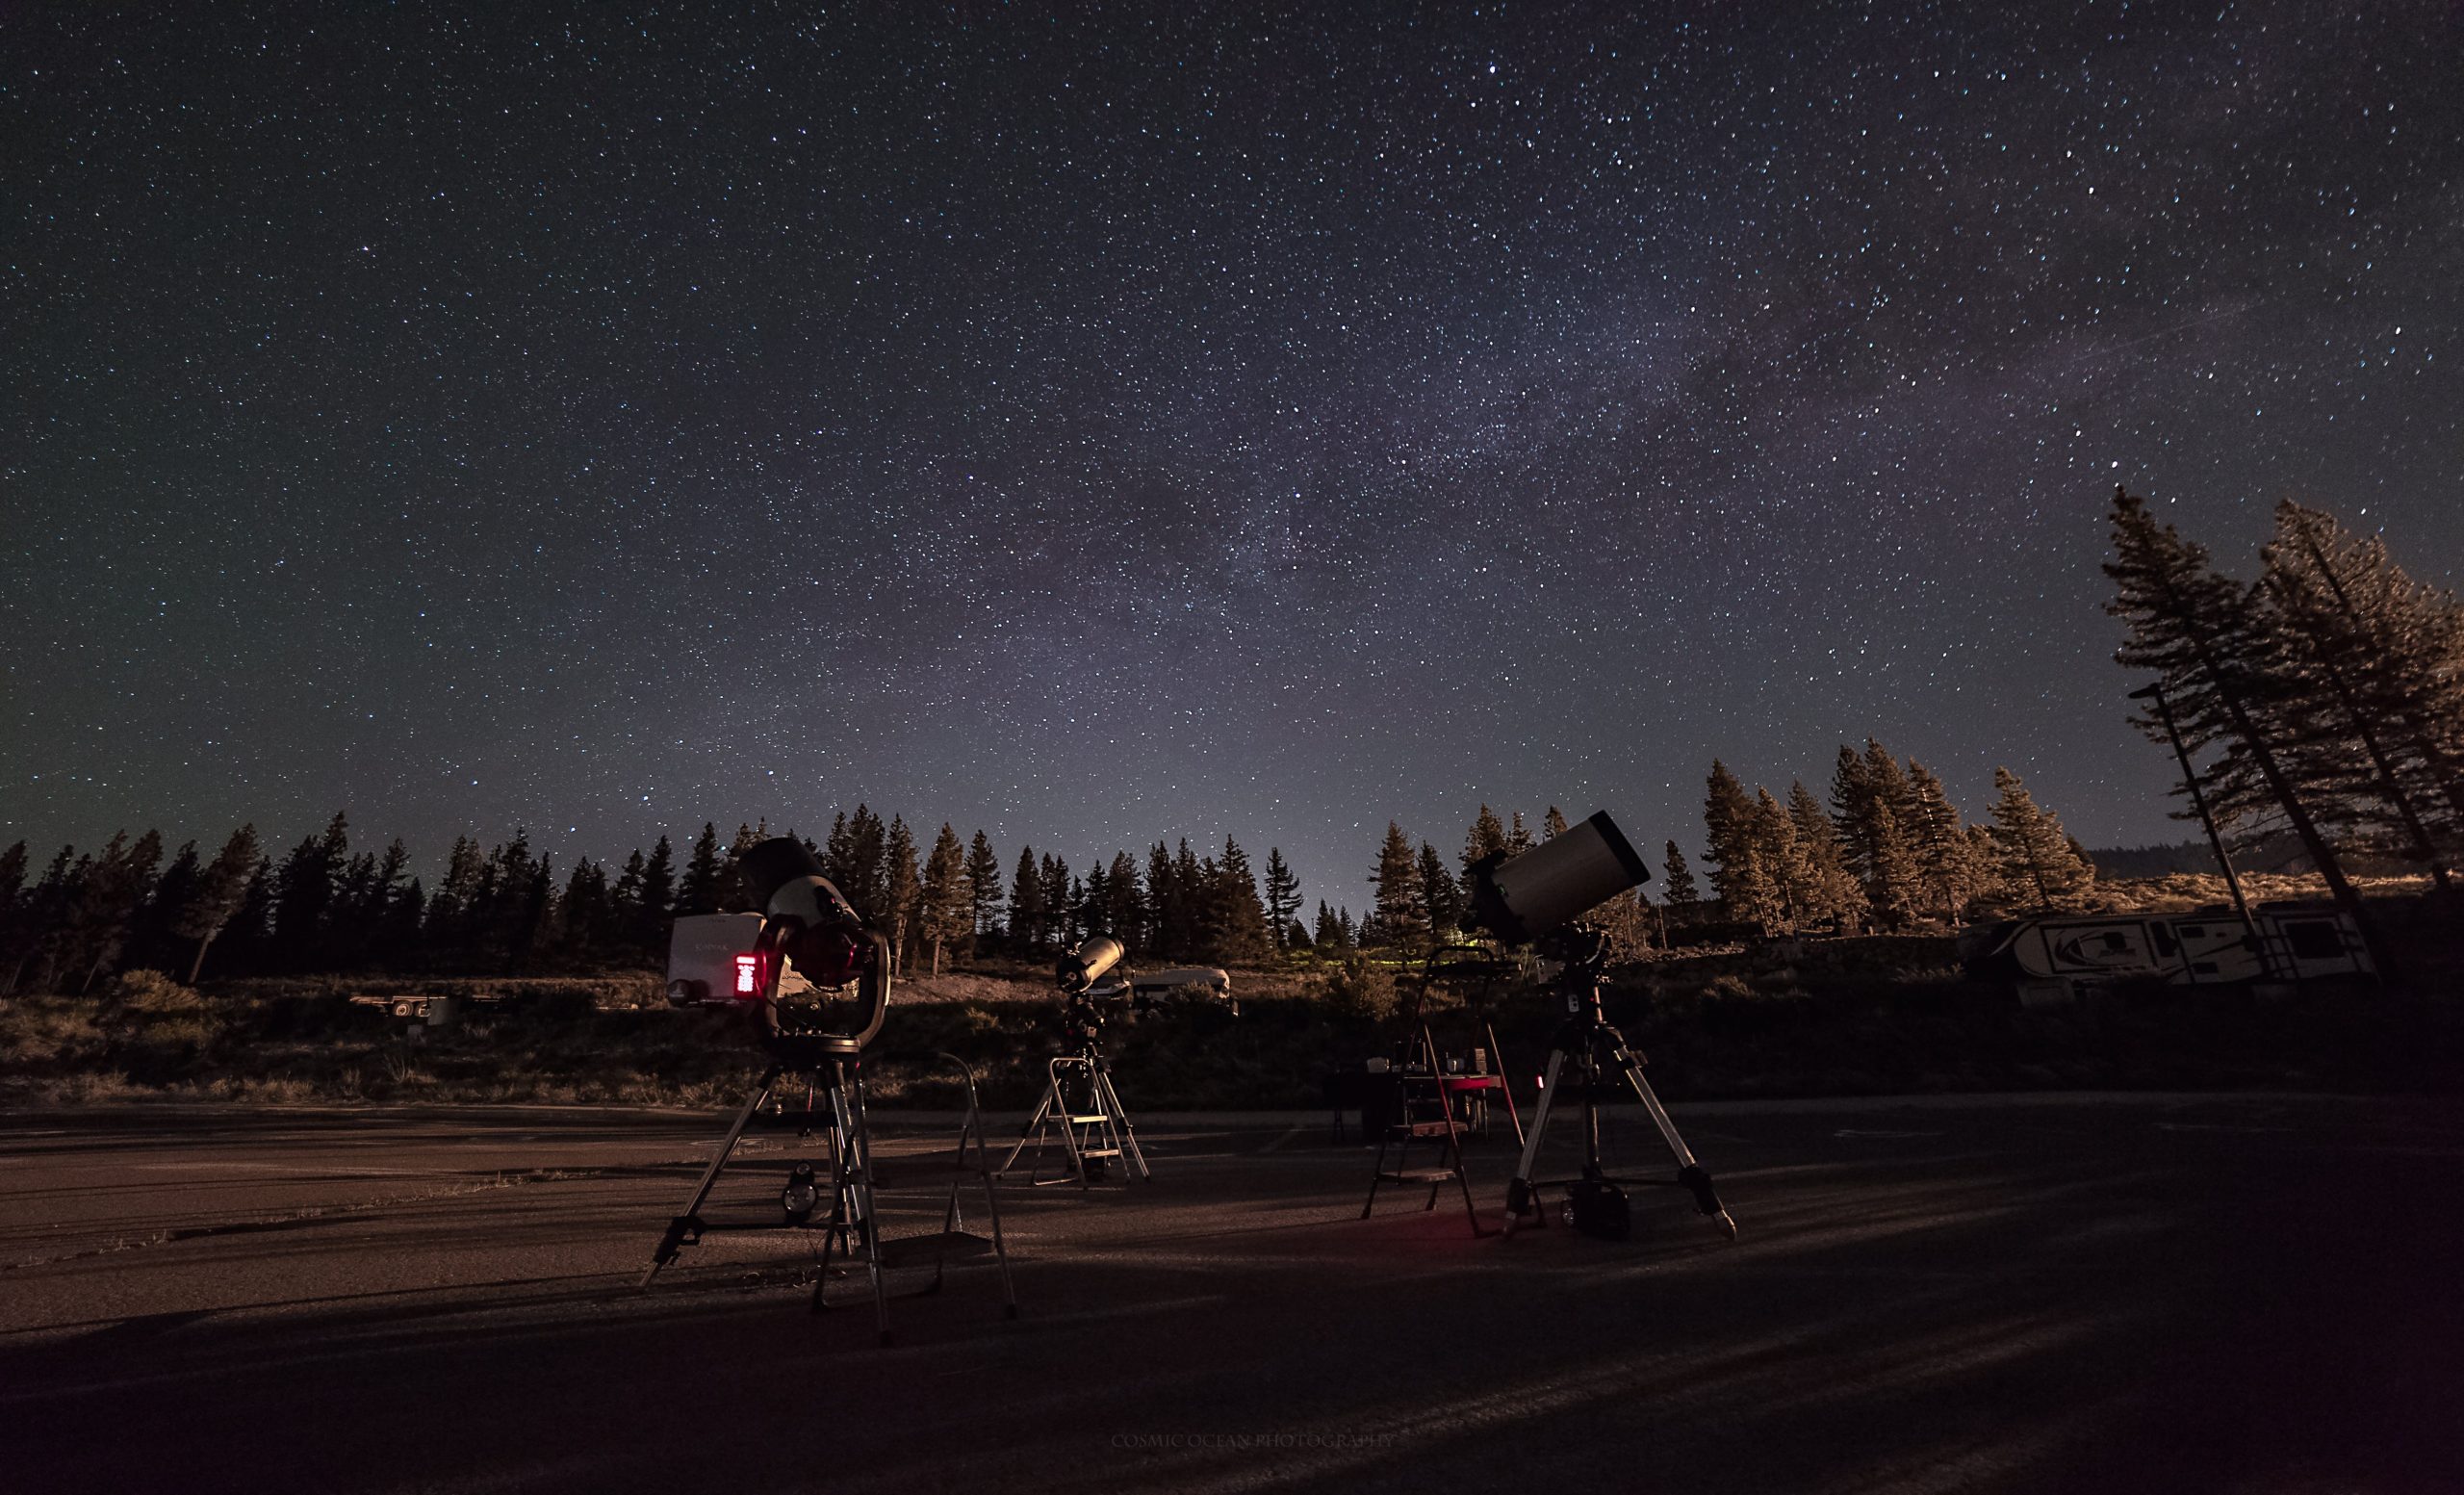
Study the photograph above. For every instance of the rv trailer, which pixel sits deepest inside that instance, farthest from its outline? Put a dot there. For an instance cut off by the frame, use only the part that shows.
(2051, 961)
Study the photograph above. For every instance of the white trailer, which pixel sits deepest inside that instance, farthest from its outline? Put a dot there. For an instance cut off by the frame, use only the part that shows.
(1155, 985)
(2050, 961)
(710, 961)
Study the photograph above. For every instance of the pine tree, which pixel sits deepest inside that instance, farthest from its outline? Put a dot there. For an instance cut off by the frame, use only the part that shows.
(1518, 838)
(1189, 885)
(1060, 907)
(2359, 709)
(153, 945)
(1167, 929)
(1027, 913)
(625, 901)
(400, 934)
(1831, 892)
(16, 907)
(1283, 898)
(216, 897)
(42, 917)
(1327, 938)
(1684, 898)
(103, 911)
(1785, 864)
(1552, 824)
(656, 908)
(2031, 849)
(2205, 639)
(1871, 803)
(857, 862)
(733, 896)
(1947, 875)
(1401, 917)
(250, 931)
(304, 893)
(903, 895)
(1739, 879)
(983, 887)
(1441, 896)
(699, 891)
(1242, 932)
(584, 910)
(948, 904)
(1126, 917)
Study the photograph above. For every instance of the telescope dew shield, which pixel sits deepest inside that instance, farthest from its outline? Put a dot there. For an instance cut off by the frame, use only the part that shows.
(1078, 970)
(1517, 898)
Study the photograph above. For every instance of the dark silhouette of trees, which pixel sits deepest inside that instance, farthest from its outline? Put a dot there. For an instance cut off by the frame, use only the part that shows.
(983, 889)
(216, 896)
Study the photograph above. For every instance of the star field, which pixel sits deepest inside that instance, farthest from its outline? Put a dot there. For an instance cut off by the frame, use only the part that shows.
(1099, 423)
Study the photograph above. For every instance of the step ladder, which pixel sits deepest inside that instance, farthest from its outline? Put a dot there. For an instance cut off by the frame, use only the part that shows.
(849, 1230)
(1425, 1114)
(1080, 1104)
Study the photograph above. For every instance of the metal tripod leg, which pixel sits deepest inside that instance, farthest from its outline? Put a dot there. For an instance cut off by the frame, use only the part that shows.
(1505, 1082)
(855, 1180)
(1690, 1172)
(1521, 1197)
(1033, 1129)
(1125, 1135)
(685, 1227)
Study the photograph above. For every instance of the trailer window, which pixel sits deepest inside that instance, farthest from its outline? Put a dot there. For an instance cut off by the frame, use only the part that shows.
(2315, 940)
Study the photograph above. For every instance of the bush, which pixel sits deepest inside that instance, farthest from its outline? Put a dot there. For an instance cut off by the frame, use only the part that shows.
(1357, 989)
(152, 991)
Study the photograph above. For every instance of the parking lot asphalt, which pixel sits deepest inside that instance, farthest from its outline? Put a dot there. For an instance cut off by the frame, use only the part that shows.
(2109, 1292)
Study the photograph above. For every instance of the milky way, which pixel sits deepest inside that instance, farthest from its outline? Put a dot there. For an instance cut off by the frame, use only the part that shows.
(1104, 424)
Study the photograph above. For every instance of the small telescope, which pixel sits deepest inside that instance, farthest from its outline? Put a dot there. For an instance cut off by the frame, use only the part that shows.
(1522, 897)
(1079, 969)
(1079, 1101)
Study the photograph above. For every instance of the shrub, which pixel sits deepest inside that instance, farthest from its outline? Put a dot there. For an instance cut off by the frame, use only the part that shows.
(152, 991)
(1356, 989)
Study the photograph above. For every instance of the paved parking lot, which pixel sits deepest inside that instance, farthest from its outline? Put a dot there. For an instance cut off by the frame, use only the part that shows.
(2027, 1294)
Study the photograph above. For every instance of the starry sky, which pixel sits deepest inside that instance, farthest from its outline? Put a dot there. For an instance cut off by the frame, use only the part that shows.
(1103, 423)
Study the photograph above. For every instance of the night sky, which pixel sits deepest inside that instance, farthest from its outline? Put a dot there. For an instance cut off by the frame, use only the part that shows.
(1100, 425)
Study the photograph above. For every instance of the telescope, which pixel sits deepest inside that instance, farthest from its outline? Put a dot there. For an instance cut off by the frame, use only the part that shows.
(1079, 1102)
(1078, 970)
(809, 931)
(820, 981)
(1522, 897)
(1539, 897)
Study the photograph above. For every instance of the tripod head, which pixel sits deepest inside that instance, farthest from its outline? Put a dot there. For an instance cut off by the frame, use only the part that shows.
(1580, 950)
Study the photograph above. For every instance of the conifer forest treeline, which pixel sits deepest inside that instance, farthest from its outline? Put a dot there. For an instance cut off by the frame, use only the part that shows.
(2322, 702)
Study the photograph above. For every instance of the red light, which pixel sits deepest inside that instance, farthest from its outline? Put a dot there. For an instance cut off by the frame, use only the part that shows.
(748, 975)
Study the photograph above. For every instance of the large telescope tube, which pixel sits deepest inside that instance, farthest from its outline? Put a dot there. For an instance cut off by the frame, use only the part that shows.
(1517, 898)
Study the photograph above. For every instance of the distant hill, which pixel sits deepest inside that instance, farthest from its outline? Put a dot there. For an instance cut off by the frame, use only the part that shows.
(2276, 854)
(2117, 862)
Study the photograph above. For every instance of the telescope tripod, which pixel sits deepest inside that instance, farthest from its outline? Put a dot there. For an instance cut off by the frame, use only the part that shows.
(1598, 1056)
(1090, 1134)
(853, 1225)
